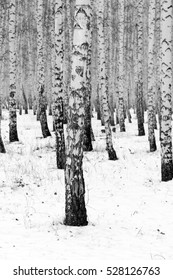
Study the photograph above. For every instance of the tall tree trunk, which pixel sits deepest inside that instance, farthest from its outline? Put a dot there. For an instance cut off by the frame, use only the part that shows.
(157, 58)
(13, 135)
(121, 67)
(58, 90)
(40, 72)
(139, 88)
(102, 81)
(151, 76)
(166, 94)
(2, 22)
(75, 186)
(87, 141)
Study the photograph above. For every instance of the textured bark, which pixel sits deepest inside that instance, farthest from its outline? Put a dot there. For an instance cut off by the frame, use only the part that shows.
(102, 82)
(139, 87)
(2, 21)
(68, 40)
(2, 148)
(75, 210)
(121, 67)
(40, 73)
(87, 140)
(109, 52)
(166, 87)
(13, 135)
(58, 112)
(151, 76)
(157, 58)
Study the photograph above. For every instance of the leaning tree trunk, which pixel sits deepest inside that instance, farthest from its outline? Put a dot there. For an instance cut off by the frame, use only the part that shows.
(75, 187)
(151, 76)
(40, 72)
(139, 88)
(13, 136)
(58, 111)
(102, 82)
(166, 91)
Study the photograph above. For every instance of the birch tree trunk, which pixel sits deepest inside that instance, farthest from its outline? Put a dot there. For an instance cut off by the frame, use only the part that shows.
(151, 76)
(166, 87)
(139, 89)
(157, 55)
(40, 72)
(87, 141)
(58, 90)
(102, 81)
(121, 67)
(13, 135)
(2, 22)
(75, 211)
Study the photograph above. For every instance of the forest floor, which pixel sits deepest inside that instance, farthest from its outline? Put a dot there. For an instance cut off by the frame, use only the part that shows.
(129, 208)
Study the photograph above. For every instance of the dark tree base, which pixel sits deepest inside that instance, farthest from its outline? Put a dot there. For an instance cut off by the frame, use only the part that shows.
(60, 162)
(153, 146)
(13, 136)
(98, 115)
(167, 171)
(87, 144)
(92, 136)
(141, 131)
(77, 215)
(117, 120)
(112, 154)
(70, 220)
(87, 148)
(122, 128)
(102, 123)
(2, 148)
(112, 122)
(44, 126)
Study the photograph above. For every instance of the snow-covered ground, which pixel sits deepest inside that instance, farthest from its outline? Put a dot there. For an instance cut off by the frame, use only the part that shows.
(129, 208)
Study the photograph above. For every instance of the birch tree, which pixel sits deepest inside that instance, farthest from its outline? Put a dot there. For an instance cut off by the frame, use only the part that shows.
(121, 67)
(151, 77)
(40, 71)
(102, 82)
(139, 88)
(87, 141)
(2, 22)
(166, 88)
(58, 89)
(75, 210)
(13, 135)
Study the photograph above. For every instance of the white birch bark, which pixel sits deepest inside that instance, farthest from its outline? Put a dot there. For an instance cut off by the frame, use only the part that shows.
(13, 135)
(40, 71)
(2, 21)
(139, 89)
(58, 89)
(102, 82)
(151, 76)
(75, 186)
(121, 67)
(166, 88)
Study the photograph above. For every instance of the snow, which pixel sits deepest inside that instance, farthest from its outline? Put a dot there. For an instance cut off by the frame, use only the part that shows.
(129, 208)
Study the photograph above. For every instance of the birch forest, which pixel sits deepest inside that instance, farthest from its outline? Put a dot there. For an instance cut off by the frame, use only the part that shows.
(86, 128)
